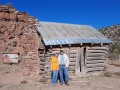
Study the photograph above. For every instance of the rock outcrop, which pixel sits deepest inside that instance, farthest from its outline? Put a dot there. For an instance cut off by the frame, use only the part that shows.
(18, 35)
(113, 33)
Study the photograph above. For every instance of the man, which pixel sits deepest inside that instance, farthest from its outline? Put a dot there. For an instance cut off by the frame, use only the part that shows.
(63, 68)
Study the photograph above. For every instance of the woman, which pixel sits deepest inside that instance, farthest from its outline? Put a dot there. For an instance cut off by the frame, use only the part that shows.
(55, 68)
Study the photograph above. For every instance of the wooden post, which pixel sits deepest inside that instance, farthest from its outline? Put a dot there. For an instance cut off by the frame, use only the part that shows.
(77, 69)
(83, 61)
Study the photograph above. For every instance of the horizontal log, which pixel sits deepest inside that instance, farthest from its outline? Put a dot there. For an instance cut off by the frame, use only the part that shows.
(42, 59)
(72, 56)
(73, 48)
(95, 61)
(72, 63)
(72, 60)
(95, 65)
(98, 48)
(92, 60)
(41, 55)
(73, 52)
(56, 49)
(47, 58)
(96, 58)
(47, 55)
(71, 68)
(42, 63)
(71, 71)
(95, 69)
(95, 54)
(97, 51)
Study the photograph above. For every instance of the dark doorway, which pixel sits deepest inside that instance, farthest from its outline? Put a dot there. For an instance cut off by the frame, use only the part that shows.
(82, 59)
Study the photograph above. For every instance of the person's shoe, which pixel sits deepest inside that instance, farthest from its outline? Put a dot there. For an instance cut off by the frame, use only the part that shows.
(61, 83)
(67, 84)
(53, 84)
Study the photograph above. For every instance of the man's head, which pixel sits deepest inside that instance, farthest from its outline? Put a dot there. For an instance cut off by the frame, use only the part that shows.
(61, 52)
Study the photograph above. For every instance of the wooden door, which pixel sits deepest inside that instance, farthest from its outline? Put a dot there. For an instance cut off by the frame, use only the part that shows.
(81, 60)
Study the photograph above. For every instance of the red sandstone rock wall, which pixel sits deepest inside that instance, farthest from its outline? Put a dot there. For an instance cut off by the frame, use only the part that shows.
(18, 35)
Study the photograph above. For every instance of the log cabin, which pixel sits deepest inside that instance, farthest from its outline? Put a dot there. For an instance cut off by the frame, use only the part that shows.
(86, 47)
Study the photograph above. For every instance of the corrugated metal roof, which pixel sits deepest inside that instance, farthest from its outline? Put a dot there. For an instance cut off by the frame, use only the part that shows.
(60, 33)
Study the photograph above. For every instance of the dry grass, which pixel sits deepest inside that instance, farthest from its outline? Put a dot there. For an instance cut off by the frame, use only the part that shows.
(1, 85)
(43, 80)
(24, 82)
(116, 74)
(115, 63)
(108, 74)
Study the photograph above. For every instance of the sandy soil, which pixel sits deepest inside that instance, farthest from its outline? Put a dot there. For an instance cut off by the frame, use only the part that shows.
(11, 79)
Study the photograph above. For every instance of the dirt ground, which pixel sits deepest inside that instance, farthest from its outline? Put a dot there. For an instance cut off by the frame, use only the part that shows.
(11, 79)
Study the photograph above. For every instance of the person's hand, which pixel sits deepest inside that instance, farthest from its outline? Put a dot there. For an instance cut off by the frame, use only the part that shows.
(66, 66)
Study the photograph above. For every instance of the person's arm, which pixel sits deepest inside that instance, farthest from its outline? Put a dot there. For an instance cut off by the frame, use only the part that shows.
(59, 59)
(67, 61)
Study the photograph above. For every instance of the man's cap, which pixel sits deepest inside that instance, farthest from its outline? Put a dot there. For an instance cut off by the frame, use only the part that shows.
(61, 51)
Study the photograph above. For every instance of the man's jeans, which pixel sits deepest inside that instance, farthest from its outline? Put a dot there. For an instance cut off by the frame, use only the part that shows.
(54, 76)
(64, 77)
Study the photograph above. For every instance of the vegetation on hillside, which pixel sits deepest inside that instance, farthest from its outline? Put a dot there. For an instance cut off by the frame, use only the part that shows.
(113, 33)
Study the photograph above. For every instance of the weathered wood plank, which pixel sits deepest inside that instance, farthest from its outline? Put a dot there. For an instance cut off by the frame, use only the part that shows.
(97, 51)
(95, 65)
(73, 48)
(95, 61)
(73, 56)
(73, 60)
(96, 58)
(42, 63)
(73, 52)
(72, 63)
(71, 67)
(98, 48)
(95, 69)
(71, 71)
(41, 55)
(95, 54)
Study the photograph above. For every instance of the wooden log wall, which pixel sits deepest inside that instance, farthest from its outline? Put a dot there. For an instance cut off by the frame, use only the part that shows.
(73, 57)
(45, 57)
(93, 60)
(96, 58)
(42, 61)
